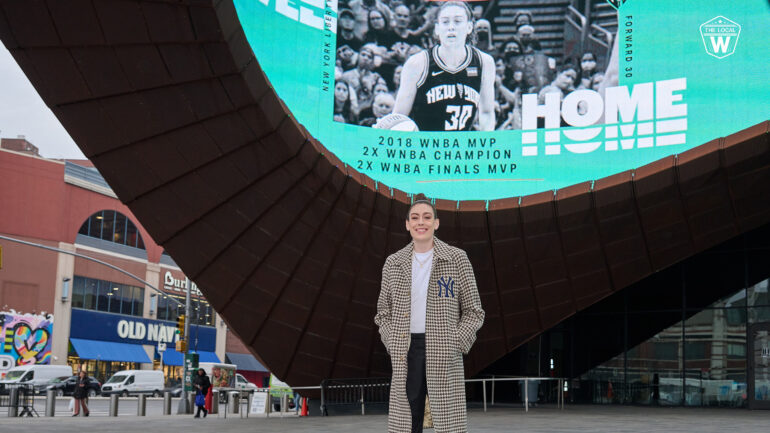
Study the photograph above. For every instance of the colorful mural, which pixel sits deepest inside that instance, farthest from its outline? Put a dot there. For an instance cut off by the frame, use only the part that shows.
(25, 339)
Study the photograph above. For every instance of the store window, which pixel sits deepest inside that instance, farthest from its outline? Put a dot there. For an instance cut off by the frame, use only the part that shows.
(171, 306)
(101, 370)
(99, 295)
(112, 226)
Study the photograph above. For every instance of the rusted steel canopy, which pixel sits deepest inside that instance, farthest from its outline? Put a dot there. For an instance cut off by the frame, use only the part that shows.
(287, 243)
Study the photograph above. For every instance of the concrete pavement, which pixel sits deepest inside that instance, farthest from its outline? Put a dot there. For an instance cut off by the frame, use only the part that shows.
(593, 419)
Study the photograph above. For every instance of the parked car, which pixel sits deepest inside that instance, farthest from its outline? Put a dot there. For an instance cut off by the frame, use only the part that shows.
(135, 382)
(37, 375)
(65, 385)
(175, 391)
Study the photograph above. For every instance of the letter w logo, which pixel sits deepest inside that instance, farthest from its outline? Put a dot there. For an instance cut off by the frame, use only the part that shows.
(448, 285)
(720, 43)
(720, 36)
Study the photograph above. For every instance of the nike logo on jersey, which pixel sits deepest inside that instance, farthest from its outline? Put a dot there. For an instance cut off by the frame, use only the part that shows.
(434, 73)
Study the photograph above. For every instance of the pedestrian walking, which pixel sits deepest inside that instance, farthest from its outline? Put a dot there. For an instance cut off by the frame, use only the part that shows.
(81, 393)
(428, 314)
(202, 384)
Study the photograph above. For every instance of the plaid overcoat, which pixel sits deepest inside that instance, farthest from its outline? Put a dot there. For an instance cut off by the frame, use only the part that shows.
(453, 316)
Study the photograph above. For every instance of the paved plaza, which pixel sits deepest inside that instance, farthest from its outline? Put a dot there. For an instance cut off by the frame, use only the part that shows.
(595, 419)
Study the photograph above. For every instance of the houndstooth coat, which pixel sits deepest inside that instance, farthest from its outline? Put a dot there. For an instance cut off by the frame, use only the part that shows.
(453, 316)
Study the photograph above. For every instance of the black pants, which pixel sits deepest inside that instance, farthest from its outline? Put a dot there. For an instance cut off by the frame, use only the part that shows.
(416, 383)
(201, 408)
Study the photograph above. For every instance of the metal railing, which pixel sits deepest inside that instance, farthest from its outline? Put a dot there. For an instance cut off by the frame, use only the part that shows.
(351, 392)
(525, 394)
(377, 390)
(19, 396)
(354, 391)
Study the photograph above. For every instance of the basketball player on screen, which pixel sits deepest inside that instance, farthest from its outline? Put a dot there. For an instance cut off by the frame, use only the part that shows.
(446, 87)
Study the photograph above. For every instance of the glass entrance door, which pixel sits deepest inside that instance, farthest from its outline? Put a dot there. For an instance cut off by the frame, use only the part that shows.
(759, 366)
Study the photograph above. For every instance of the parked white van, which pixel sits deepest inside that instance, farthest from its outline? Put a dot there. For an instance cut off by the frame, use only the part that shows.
(135, 382)
(37, 375)
(242, 383)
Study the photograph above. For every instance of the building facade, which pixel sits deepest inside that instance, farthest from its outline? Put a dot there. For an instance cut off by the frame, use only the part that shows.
(104, 316)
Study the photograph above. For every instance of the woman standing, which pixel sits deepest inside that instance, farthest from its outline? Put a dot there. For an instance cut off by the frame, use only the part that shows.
(81, 393)
(201, 385)
(428, 313)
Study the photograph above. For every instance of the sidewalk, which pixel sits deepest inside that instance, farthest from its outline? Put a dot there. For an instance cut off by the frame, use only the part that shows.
(593, 419)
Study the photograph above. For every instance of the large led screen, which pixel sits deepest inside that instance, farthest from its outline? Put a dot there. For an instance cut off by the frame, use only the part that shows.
(492, 99)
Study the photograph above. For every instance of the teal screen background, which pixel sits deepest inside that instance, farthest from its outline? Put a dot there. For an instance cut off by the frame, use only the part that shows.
(722, 96)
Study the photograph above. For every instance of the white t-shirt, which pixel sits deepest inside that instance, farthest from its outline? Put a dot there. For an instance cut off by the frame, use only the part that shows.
(421, 266)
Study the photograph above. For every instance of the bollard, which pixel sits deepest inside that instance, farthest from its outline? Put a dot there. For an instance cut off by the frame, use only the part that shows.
(183, 407)
(284, 403)
(526, 396)
(141, 405)
(236, 402)
(214, 402)
(268, 404)
(484, 393)
(50, 402)
(323, 400)
(166, 403)
(13, 403)
(191, 401)
(114, 399)
(363, 404)
(493, 390)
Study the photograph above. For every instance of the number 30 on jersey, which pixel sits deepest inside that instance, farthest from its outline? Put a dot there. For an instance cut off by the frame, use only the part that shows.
(460, 116)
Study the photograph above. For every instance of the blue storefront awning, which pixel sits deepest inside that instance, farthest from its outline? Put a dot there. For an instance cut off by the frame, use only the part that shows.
(172, 357)
(246, 362)
(109, 351)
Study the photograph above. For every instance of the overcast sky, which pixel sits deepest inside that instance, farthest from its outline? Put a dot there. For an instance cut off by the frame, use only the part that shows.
(22, 112)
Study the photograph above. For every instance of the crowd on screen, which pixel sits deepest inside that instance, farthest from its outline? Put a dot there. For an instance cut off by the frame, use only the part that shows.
(375, 37)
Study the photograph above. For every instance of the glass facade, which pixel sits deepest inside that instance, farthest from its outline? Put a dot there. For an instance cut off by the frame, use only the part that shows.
(699, 361)
(112, 226)
(168, 309)
(693, 334)
(92, 294)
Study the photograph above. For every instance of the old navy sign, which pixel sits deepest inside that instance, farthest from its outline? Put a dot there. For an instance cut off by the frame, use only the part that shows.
(96, 325)
(136, 330)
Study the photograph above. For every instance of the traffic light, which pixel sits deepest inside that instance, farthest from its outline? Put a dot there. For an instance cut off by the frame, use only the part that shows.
(181, 346)
(180, 326)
